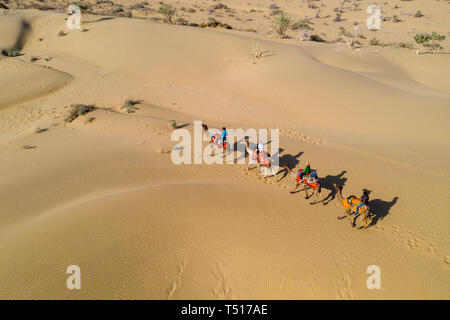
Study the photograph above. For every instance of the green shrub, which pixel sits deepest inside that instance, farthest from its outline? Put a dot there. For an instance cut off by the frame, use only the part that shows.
(421, 39)
(303, 24)
(167, 11)
(281, 24)
(435, 41)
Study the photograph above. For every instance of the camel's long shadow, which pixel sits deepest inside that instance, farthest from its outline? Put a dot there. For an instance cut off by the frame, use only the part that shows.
(289, 159)
(380, 209)
(328, 182)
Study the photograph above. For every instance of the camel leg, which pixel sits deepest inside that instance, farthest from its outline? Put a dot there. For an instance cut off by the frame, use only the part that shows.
(306, 192)
(367, 219)
(295, 188)
(273, 173)
(352, 218)
(318, 194)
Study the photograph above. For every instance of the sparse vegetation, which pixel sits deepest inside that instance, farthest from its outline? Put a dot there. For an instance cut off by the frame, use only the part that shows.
(302, 24)
(61, 33)
(282, 24)
(316, 38)
(130, 106)
(213, 23)
(422, 40)
(77, 110)
(167, 11)
(173, 124)
(418, 14)
(338, 17)
(436, 41)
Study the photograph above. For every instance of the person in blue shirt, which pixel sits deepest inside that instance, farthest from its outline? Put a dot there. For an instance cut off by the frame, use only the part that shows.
(224, 136)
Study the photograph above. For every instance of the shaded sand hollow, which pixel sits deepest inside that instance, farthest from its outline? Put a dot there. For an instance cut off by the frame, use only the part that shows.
(104, 194)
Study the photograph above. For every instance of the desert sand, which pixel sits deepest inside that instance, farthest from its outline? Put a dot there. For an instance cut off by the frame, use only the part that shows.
(101, 192)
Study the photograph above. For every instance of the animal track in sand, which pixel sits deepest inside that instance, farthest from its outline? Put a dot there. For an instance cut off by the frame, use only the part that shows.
(300, 136)
(176, 283)
(411, 241)
(343, 283)
(222, 290)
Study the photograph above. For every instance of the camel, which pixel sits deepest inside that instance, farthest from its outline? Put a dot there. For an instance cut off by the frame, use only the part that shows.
(350, 203)
(216, 140)
(262, 159)
(308, 182)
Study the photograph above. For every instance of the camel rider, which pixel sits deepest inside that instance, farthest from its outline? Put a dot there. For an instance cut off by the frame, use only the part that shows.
(224, 136)
(305, 171)
(313, 175)
(364, 200)
(260, 147)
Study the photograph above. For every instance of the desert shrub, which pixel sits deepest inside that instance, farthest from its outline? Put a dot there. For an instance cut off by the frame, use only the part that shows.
(316, 38)
(338, 17)
(421, 39)
(396, 19)
(33, 59)
(167, 11)
(219, 6)
(281, 24)
(130, 106)
(85, 8)
(418, 14)
(303, 24)
(435, 41)
(404, 45)
(173, 124)
(77, 110)
(213, 23)
(61, 33)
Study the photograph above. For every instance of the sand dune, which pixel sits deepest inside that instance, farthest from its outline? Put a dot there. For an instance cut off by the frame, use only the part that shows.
(103, 194)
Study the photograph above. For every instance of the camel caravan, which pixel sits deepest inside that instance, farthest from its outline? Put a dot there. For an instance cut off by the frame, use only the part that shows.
(354, 207)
